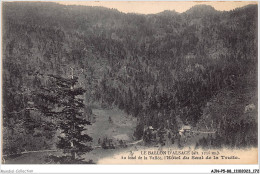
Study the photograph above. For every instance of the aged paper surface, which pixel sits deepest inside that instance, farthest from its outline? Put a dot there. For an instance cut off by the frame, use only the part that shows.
(129, 82)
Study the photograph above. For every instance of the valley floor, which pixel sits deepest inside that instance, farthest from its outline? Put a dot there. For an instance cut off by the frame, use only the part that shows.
(111, 124)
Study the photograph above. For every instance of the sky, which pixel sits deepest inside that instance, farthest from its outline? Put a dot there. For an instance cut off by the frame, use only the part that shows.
(151, 7)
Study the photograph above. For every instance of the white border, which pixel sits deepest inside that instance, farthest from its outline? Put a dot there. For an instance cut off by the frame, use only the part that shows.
(120, 168)
(125, 168)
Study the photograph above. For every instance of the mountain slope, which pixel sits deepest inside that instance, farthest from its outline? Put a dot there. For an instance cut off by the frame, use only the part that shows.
(155, 67)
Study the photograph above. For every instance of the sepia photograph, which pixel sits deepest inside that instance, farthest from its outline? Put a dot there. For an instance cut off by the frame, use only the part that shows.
(147, 82)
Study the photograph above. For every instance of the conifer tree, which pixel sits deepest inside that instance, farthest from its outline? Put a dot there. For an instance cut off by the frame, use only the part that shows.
(61, 100)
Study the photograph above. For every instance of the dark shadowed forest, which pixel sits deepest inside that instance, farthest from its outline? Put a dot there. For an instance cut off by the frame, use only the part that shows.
(197, 68)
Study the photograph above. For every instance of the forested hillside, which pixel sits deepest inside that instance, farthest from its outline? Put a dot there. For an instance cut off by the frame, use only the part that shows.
(199, 66)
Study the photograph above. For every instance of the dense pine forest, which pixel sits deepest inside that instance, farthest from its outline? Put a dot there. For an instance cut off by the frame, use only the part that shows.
(198, 68)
